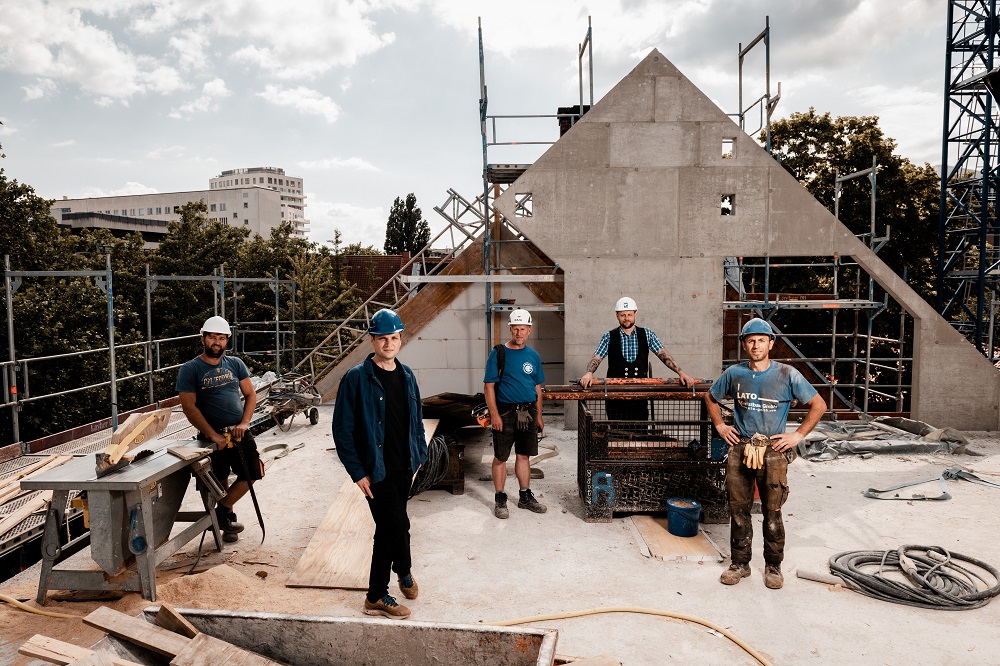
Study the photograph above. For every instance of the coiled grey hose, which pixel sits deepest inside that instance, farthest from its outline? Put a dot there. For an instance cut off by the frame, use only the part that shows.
(941, 580)
(436, 467)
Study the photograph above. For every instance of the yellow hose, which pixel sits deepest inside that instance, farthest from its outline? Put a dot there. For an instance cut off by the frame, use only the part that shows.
(38, 611)
(648, 611)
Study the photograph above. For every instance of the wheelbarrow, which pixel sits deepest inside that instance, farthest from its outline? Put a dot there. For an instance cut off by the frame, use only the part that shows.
(292, 393)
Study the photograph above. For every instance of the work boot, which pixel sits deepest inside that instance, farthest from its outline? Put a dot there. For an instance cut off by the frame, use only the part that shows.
(500, 510)
(772, 577)
(528, 501)
(222, 514)
(408, 586)
(388, 607)
(238, 526)
(734, 573)
(230, 537)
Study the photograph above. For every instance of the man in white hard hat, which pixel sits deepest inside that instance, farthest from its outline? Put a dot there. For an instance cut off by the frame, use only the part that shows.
(512, 385)
(759, 448)
(210, 386)
(627, 348)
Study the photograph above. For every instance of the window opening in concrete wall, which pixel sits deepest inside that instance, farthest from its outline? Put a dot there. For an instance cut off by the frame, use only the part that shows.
(522, 204)
(728, 146)
(849, 338)
(727, 204)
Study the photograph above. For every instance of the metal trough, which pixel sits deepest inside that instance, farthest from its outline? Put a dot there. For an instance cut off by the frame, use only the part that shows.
(304, 640)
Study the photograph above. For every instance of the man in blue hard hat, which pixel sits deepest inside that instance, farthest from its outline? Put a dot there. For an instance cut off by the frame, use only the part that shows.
(378, 429)
(218, 398)
(759, 446)
(512, 386)
(627, 348)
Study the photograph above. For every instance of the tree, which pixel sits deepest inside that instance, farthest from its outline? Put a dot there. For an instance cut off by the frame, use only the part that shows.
(406, 229)
(812, 147)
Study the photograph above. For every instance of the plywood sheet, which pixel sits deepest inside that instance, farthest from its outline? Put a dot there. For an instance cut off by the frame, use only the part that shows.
(665, 546)
(339, 554)
(204, 650)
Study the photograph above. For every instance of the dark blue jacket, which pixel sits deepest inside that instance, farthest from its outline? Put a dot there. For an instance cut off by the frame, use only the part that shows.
(359, 422)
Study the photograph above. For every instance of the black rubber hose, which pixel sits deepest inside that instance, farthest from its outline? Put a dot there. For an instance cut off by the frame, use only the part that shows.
(922, 576)
(436, 467)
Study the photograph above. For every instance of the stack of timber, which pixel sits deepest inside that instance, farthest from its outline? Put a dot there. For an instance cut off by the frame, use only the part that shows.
(11, 488)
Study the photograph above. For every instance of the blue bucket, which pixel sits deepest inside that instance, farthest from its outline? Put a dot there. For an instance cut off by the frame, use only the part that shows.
(683, 516)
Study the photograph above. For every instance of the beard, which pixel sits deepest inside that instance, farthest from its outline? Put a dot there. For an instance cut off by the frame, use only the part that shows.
(211, 353)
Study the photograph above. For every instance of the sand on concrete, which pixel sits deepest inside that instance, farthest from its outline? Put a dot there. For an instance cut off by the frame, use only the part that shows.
(474, 568)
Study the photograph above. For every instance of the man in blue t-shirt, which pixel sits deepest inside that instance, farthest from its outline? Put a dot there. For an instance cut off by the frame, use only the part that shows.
(514, 398)
(216, 395)
(759, 448)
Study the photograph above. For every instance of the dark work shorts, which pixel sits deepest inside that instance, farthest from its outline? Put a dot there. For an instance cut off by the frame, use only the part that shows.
(524, 442)
(228, 460)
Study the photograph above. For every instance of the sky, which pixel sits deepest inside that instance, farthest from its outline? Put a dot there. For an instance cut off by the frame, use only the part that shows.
(368, 100)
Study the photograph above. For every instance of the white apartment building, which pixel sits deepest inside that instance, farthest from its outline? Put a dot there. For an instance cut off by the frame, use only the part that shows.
(255, 208)
(293, 201)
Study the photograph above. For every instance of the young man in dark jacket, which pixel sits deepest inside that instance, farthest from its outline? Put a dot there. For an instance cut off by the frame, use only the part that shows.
(379, 432)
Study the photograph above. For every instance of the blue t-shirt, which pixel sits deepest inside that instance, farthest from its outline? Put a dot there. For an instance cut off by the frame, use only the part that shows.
(762, 399)
(522, 371)
(216, 388)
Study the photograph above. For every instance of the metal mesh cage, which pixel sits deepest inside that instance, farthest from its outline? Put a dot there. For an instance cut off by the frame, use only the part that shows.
(636, 464)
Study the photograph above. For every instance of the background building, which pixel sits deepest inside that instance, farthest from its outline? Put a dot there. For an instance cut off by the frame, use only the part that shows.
(293, 202)
(259, 199)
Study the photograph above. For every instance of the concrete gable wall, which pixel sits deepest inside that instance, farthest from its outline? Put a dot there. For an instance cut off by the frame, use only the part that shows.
(628, 203)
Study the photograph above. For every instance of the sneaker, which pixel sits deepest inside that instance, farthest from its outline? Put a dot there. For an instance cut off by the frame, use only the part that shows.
(529, 502)
(408, 586)
(222, 514)
(500, 510)
(734, 573)
(773, 579)
(388, 607)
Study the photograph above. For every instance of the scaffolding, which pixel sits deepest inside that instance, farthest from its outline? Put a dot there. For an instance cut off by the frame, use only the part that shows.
(968, 232)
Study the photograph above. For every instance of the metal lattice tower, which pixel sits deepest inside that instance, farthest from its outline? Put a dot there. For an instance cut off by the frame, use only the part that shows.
(968, 233)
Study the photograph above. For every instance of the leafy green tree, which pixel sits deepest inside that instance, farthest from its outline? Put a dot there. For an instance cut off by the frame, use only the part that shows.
(406, 229)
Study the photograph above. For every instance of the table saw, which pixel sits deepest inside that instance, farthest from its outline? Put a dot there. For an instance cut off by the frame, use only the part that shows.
(132, 512)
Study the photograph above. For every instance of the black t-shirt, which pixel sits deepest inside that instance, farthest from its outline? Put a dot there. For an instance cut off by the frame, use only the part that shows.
(396, 451)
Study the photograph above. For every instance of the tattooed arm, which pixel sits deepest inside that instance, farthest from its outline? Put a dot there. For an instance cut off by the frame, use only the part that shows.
(668, 361)
(588, 378)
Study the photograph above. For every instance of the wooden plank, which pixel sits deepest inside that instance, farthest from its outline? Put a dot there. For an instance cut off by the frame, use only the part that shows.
(95, 659)
(168, 618)
(137, 631)
(25, 471)
(135, 431)
(430, 426)
(339, 553)
(33, 505)
(205, 650)
(188, 452)
(665, 546)
(60, 652)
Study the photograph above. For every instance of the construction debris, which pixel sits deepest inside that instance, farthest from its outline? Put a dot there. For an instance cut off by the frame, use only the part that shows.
(884, 434)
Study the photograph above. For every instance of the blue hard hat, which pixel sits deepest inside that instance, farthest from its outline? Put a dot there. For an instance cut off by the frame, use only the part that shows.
(385, 322)
(756, 327)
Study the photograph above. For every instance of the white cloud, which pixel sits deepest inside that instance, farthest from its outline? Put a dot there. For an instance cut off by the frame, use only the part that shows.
(64, 144)
(355, 163)
(53, 41)
(130, 187)
(211, 93)
(345, 84)
(305, 100)
(357, 224)
(39, 89)
(7, 129)
(190, 46)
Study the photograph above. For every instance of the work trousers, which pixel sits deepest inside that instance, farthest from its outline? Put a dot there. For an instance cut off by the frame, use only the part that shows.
(391, 550)
(772, 485)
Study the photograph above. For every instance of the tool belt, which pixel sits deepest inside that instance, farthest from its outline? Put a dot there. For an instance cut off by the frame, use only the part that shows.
(755, 450)
(522, 414)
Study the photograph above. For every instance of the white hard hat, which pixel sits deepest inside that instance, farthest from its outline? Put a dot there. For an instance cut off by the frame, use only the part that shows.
(216, 324)
(625, 303)
(522, 317)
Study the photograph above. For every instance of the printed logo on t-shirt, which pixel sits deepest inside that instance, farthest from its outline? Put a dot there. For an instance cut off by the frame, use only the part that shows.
(528, 368)
(752, 402)
(217, 377)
